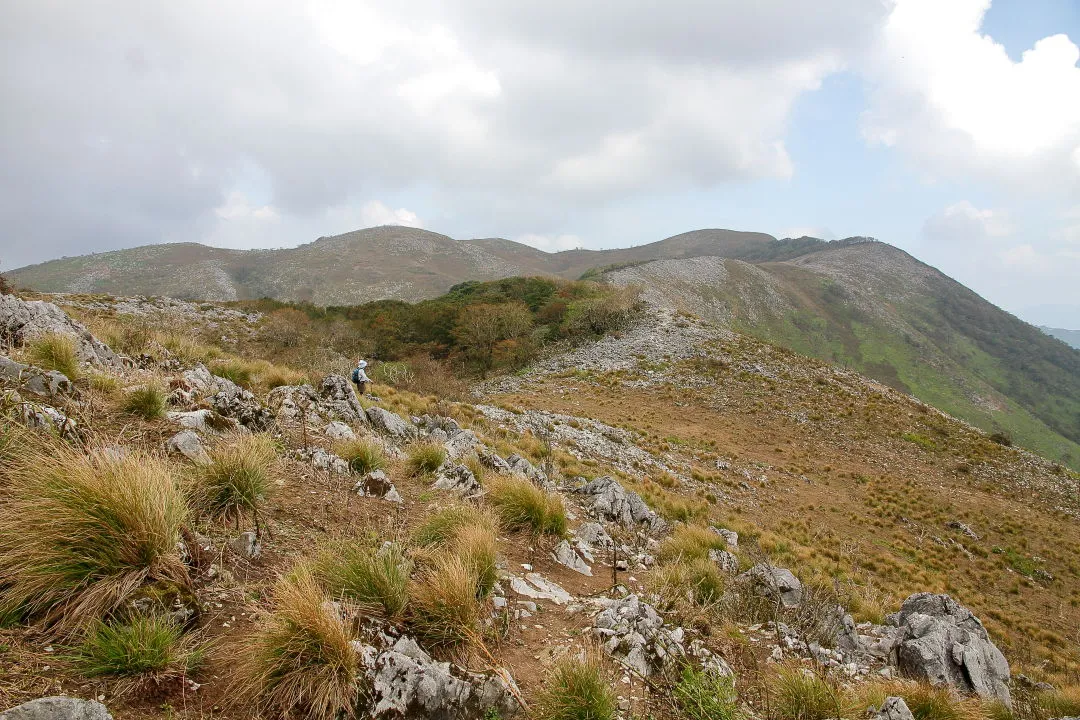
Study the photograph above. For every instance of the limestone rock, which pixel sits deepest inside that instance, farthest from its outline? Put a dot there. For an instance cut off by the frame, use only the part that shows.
(894, 708)
(339, 400)
(22, 320)
(204, 421)
(377, 484)
(727, 562)
(46, 416)
(943, 643)
(235, 402)
(390, 424)
(634, 634)
(460, 443)
(58, 707)
(338, 430)
(520, 466)
(323, 460)
(537, 587)
(457, 478)
(775, 582)
(47, 383)
(490, 459)
(188, 444)
(730, 537)
(612, 501)
(292, 402)
(246, 546)
(565, 555)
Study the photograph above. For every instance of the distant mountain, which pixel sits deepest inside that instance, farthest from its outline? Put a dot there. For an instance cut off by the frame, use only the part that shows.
(1069, 337)
(372, 264)
(873, 307)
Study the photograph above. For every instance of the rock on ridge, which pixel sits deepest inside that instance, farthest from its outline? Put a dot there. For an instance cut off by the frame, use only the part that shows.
(612, 501)
(22, 320)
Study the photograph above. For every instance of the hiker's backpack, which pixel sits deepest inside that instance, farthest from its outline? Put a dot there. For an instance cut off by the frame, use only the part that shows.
(356, 375)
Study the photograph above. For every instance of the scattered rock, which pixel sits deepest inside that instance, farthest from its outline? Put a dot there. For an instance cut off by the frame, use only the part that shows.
(775, 582)
(943, 643)
(58, 707)
(590, 539)
(460, 443)
(204, 421)
(22, 320)
(614, 502)
(894, 708)
(490, 459)
(963, 528)
(727, 562)
(246, 546)
(235, 402)
(339, 401)
(324, 460)
(390, 424)
(538, 587)
(377, 484)
(730, 537)
(338, 430)
(520, 466)
(46, 416)
(457, 478)
(565, 555)
(291, 403)
(188, 444)
(634, 633)
(406, 683)
(27, 378)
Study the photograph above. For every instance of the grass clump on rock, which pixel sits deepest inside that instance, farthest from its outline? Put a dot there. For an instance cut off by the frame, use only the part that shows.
(374, 579)
(301, 661)
(577, 688)
(81, 534)
(239, 478)
(362, 454)
(55, 351)
(148, 402)
(144, 649)
(523, 506)
(425, 458)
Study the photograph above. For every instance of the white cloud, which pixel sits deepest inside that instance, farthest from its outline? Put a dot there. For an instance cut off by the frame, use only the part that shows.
(953, 98)
(963, 222)
(237, 207)
(377, 213)
(551, 243)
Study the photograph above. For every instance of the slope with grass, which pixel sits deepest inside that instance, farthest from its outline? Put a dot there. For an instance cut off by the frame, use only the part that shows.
(873, 308)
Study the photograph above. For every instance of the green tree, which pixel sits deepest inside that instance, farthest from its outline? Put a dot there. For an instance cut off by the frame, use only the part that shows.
(480, 329)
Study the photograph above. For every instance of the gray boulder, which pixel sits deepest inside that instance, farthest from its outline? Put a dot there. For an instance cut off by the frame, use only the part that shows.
(339, 401)
(520, 466)
(490, 459)
(204, 421)
(775, 583)
(633, 633)
(611, 501)
(460, 443)
(567, 557)
(188, 444)
(727, 562)
(27, 378)
(407, 684)
(246, 546)
(338, 430)
(943, 643)
(235, 402)
(457, 478)
(894, 708)
(292, 402)
(377, 484)
(389, 424)
(23, 320)
(59, 707)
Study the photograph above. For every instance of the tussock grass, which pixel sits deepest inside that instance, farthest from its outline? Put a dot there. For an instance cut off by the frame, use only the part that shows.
(442, 527)
(186, 348)
(81, 534)
(362, 454)
(300, 659)
(690, 542)
(925, 701)
(476, 467)
(55, 351)
(477, 546)
(521, 505)
(376, 580)
(148, 402)
(698, 582)
(104, 383)
(706, 695)
(147, 650)
(444, 611)
(802, 695)
(274, 376)
(239, 371)
(425, 458)
(577, 688)
(239, 478)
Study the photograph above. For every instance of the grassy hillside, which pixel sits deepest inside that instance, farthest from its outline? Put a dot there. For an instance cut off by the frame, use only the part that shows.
(873, 308)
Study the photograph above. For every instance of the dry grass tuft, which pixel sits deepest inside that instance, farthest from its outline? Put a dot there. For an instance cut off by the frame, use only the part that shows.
(362, 454)
(80, 534)
(376, 580)
(148, 402)
(239, 479)
(300, 660)
(55, 351)
(690, 542)
(577, 688)
(425, 458)
(478, 547)
(441, 527)
(444, 611)
(523, 506)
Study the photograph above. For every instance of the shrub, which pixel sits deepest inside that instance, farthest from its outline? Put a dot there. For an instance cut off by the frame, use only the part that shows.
(703, 695)
(609, 311)
(690, 542)
(147, 402)
(374, 579)
(363, 455)
(82, 533)
(1001, 438)
(522, 505)
(239, 478)
(577, 688)
(806, 696)
(151, 649)
(300, 660)
(444, 610)
(55, 351)
(425, 457)
(442, 527)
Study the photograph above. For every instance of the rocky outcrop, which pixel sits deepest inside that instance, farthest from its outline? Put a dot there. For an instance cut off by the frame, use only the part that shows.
(204, 421)
(188, 444)
(338, 430)
(376, 484)
(943, 643)
(520, 466)
(22, 320)
(235, 402)
(407, 684)
(323, 460)
(292, 402)
(611, 501)
(457, 478)
(634, 634)
(726, 561)
(391, 425)
(34, 380)
(59, 707)
(568, 557)
(339, 402)
(894, 708)
(774, 583)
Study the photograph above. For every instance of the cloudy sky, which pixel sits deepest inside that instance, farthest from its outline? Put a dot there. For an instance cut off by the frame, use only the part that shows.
(950, 128)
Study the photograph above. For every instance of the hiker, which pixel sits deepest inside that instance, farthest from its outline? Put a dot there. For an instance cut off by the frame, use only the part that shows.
(360, 378)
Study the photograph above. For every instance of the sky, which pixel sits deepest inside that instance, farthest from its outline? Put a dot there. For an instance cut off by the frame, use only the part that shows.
(949, 128)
